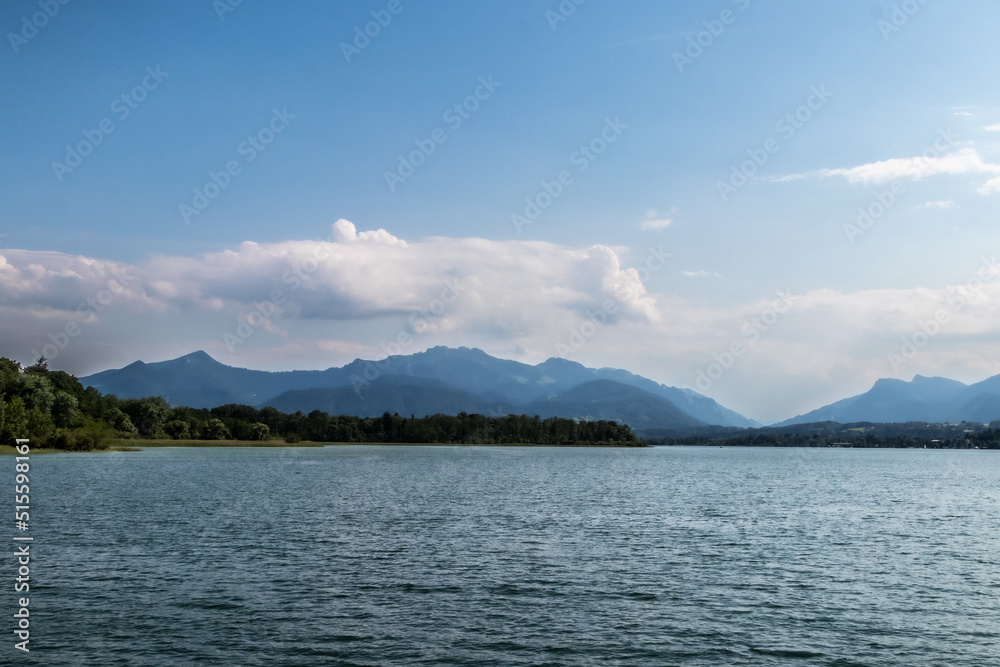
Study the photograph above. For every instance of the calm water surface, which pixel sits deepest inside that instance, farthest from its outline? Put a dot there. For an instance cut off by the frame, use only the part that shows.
(514, 556)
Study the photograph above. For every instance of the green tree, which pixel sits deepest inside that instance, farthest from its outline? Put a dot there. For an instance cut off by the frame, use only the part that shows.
(66, 411)
(13, 420)
(120, 422)
(147, 414)
(177, 429)
(215, 430)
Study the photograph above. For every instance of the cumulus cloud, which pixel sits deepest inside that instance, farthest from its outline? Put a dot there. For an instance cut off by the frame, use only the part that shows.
(344, 231)
(52, 283)
(507, 288)
(326, 302)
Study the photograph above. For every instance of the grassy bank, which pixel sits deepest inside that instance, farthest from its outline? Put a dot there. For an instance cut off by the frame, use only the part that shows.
(8, 449)
(143, 444)
(139, 445)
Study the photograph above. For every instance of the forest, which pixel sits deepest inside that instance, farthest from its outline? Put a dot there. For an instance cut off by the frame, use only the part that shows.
(903, 435)
(56, 411)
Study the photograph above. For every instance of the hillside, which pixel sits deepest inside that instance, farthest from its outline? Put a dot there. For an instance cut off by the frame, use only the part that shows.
(445, 380)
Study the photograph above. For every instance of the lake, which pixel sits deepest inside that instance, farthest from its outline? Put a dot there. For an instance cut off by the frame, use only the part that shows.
(390, 555)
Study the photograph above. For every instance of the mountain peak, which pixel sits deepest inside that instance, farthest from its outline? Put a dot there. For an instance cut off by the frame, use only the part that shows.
(887, 383)
(439, 350)
(483, 381)
(560, 362)
(923, 380)
(199, 357)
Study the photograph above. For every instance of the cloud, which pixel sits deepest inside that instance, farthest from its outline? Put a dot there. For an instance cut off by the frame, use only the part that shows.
(344, 231)
(947, 203)
(662, 223)
(699, 274)
(964, 161)
(991, 186)
(52, 283)
(315, 304)
(505, 288)
(993, 128)
(655, 221)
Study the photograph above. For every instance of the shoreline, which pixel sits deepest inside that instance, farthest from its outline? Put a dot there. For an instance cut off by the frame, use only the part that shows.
(140, 445)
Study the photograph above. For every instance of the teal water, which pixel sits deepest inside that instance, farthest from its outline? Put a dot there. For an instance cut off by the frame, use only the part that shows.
(368, 555)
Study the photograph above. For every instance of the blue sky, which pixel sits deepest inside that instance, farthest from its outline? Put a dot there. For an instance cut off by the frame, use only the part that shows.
(874, 85)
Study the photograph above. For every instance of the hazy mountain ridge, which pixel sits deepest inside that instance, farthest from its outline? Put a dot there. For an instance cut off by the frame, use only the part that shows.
(925, 399)
(447, 380)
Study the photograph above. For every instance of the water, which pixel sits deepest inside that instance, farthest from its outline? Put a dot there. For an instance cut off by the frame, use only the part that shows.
(514, 556)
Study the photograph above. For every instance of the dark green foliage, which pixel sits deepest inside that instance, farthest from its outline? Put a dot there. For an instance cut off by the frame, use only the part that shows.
(965, 435)
(177, 429)
(147, 414)
(53, 409)
(215, 430)
(259, 431)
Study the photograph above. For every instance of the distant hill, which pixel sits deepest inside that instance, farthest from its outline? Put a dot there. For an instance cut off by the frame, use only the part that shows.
(441, 379)
(924, 399)
(199, 381)
(607, 399)
(592, 401)
(393, 393)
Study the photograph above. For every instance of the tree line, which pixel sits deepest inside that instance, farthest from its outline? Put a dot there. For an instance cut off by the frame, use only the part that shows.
(55, 410)
(964, 435)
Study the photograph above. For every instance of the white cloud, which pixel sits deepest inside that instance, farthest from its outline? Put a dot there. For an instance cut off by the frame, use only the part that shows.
(964, 161)
(943, 204)
(346, 298)
(505, 288)
(344, 231)
(662, 223)
(993, 128)
(655, 221)
(991, 186)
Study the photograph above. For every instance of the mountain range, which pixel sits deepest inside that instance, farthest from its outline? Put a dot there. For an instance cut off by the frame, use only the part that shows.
(452, 380)
(926, 399)
(439, 380)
